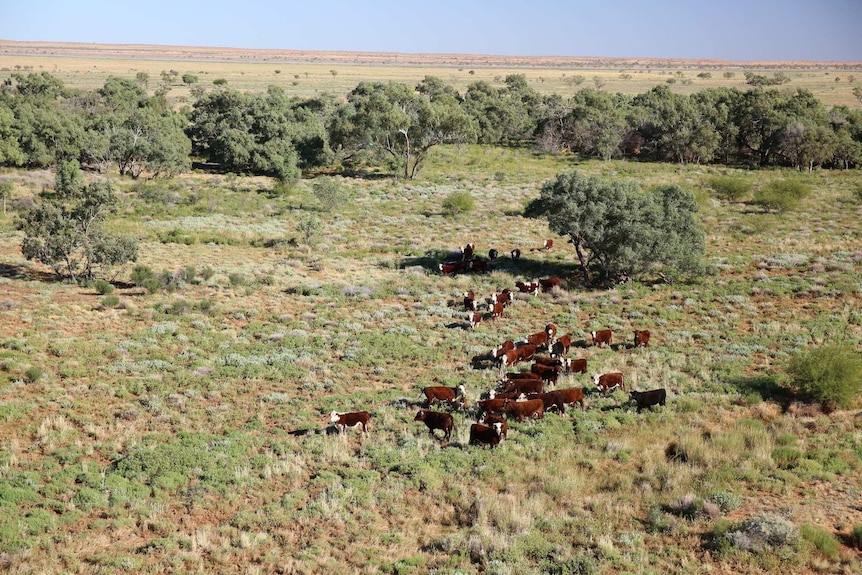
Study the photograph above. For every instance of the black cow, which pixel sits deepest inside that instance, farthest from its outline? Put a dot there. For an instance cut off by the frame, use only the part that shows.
(649, 398)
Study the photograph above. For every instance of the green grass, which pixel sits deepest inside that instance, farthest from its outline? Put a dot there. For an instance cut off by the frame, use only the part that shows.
(180, 403)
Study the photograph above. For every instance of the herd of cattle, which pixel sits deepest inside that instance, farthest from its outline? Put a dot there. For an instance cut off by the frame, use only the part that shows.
(519, 394)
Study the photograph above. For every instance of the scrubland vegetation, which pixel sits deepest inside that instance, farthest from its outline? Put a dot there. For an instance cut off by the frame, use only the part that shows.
(173, 420)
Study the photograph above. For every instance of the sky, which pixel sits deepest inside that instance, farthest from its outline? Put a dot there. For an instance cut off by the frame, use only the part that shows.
(747, 30)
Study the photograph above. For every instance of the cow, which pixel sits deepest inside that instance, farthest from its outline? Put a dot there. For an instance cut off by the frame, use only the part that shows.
(474, 318)
(547, 284)
(486, 434)
(513, 356)
(492, 405)
(504, 347)
(448, 394)
(352, 419)
(467, 252)
(532, 287)
(641, 338)
(525, 409)
(551, 330)
(649, 398)
(558, 398)
(496, 310)
(550, 361)
(477, 265)
(537, 339)
(469, 301)
(576, 365)
(561, 346)
(602, 337)
(504, 297)
(493, 394)
(450, 268)
(491, 419)
(547, 372)
(516, 254)
(518, 376)
(608, 382)
(436, 420)
(523, 386)
(549, 243)
(493, 254)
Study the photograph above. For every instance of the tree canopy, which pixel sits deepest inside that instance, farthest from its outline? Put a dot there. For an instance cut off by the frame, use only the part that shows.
(619, 231)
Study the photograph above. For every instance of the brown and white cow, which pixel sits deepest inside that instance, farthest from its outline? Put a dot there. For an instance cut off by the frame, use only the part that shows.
(602, 337)
(549, 243)
(353, 419)
(445, 394)
(490, 419)
(558, 398)
(561, 346)
(470, 301)
(515, 254)
(436, 420)
(641, 338)
(496, 310)
(548, 373)
(532, 287)
(486, 434)
(450, 268)
(467, 252)
(502, 348)
(538, 339)
(608, 382)
(529, 408)
(514, 356)
(525, 387)
(575, 365)
(475, 318)
(649, 398)
(504, 297)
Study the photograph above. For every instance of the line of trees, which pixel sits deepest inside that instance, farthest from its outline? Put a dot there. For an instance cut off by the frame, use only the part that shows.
(394, 125)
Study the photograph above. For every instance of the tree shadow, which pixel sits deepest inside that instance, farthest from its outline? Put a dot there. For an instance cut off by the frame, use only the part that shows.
(24, 272)
(767, 386)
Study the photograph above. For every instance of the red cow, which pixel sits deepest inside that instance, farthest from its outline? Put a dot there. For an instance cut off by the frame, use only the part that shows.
(523, 386)
(608, 382)
(496, 310)
(576, 365)
(551, 330)
(485, 434)
(478, 266)
(537, 339)
(436, 420)
(558, 399)
(504, 297)
(546, 372)
(493, 405)
(518, 376)
(504, 347)
(490, 419)
(513, 356)
(352, 419)
(474, 318)
(525, 409)
(532, 287)
(550, 361)
(547, 284)
(450, 268)
(549, 243)
(448, 394)
(641, 338)
(602, 337)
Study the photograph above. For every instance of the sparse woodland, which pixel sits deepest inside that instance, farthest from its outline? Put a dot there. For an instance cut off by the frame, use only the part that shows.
(174, 419)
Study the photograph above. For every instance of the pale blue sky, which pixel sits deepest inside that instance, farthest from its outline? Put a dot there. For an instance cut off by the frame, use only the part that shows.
(817, 30)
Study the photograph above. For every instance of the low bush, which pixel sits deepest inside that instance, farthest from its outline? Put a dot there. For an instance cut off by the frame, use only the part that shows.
(103, 287)
(822, 539)
(830, 374)
(725, 500)
(855, 538)
(781, 196)
(32, 374)
(729, 188)
(457, 203)
(763, 533)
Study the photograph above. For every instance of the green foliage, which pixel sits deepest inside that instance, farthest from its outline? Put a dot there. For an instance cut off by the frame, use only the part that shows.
(830, 374)
(763, 533)
(33, 374)
(330, 193)
(822, 539)
(5, 192)
(103, 287)
(309, 226)
(457, 203)
(110, 301)
(781, 196)
(725, 500)
(620, 232)
(856, 536)
(729, 188)
(189, 79)
(65, 230)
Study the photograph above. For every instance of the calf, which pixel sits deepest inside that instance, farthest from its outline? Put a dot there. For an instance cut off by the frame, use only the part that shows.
(558, 398)
(515, 253)
(576, 365)
(608, 382)
(547, 284)
(504, 297)
(485, 434)
(448, 394)
(450, 268)
(561, 345)
(490, 419)
(649, 398)
(549, 243)
(493, 254)
(493, 405)
(641, 338)
(602, 337)
(502, 348)
(352, 419)
(474, 318)
(478, 266)
(467, 252)
(496, 310)
(536, 339)
(525, 409)
(513, 356)
(551, 330)
(436, 420)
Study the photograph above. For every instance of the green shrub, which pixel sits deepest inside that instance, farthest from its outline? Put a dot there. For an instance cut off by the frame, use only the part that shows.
(822, 539)
(829, 374)
(728, 187)
(764, 532)
(103, 287)
(110, 301)
(857, 193)
(32, 374)
(329, 193)
(725, 500)
(781, 196)
(207, 273)
(141, 273)
(457, 203)
(855, 538)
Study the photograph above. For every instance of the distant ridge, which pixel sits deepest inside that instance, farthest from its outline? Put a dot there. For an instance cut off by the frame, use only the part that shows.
(224, 54)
